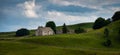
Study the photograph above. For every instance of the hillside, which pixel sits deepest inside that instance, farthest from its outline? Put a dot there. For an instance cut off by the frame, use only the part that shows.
(82, 25)
(86, 26)
(114, 28)
(90, 43)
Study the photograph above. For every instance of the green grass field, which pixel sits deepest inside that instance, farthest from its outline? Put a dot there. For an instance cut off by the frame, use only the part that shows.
(82, 25)
(90, 43)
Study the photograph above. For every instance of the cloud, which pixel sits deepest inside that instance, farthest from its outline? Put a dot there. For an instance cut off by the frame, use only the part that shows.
(61, 18)
(29, 9)
(94, 4)
(115, 9)
(102, 7)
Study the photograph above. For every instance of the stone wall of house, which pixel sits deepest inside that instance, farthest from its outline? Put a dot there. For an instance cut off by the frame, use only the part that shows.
(41, 31)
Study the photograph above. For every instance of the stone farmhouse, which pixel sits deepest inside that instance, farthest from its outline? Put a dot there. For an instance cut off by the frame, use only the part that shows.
(42, 31)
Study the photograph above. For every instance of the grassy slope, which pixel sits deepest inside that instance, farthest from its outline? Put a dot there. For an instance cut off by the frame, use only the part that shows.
(18, 48)
(7, 34)
(114, 28)
(87, 26)
(82, 25)
(71, 44)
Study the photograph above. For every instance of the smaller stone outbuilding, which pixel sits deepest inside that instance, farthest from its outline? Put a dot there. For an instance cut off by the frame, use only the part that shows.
(42, 31)
(70, 31)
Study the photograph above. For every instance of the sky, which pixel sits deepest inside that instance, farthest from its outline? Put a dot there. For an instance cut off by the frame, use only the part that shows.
(16, 14)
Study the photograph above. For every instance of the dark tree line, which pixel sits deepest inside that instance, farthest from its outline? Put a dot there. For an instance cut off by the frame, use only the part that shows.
(101, 22)
(116, 16)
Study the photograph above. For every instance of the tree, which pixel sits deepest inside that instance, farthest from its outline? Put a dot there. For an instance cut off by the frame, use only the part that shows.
(99, 23)
(108, 21)
(107, 43)
(116, 16)
(79, 30)
(64, 29)
(22, 32)
(119, 34)
(52, 25)
(106, 32)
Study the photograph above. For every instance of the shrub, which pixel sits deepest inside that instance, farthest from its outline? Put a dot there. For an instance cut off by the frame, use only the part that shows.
(119, 34)
(79, 30)
(116, 16)
(108, 21)
(106, 32)
(64, 29)
(99, 23)
(107, 43)
(22, 32)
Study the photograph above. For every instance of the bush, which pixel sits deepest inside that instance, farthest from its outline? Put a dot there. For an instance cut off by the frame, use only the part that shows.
(64, 29)
(119, 34)
(106, 32)
(107, 43)
(22, 32)
(99, 23)
(116, 16)
(79, 30)
(108, 21)
(52, 25)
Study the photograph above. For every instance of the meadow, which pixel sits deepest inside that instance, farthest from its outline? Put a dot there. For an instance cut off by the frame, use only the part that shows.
(89, 43)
